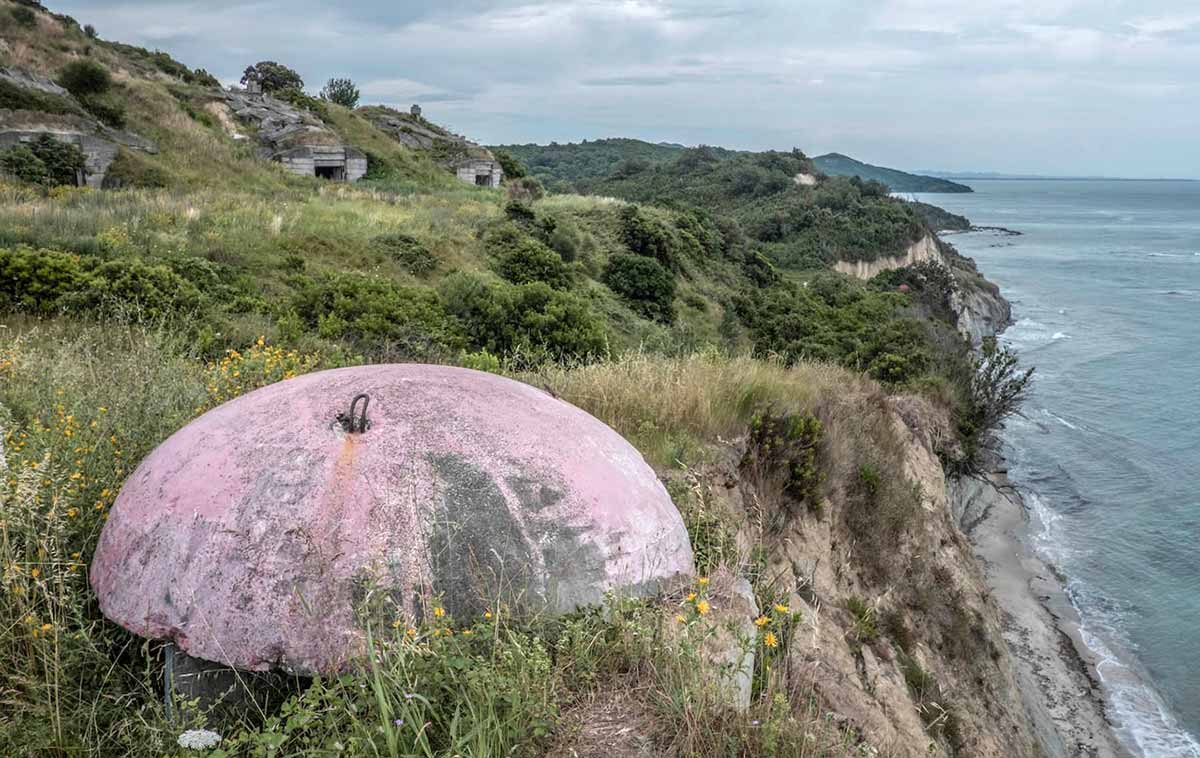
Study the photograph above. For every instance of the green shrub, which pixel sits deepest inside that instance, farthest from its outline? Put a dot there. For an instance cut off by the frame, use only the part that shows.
(534, 319)
(646, 236)
(272, 76)
(85, 78)
(408, 251)
(133, 169)
(342, 92)
(155, 289)
(301, 99)
(512, 167)
(526, 189)
(45, 281)
(24, 16)
(783, 458)
(520, 259)
(37, 280)
(644, 283)
(46, 161)
(106, 108)
(865, 628)
(90, 31)
(379, 315)
(13, 97)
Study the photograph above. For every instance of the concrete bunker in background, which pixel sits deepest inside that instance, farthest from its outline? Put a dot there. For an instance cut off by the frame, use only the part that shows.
(334, 162)
(267, 532)
(482, 172)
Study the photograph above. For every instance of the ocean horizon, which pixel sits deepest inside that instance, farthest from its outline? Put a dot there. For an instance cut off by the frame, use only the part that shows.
(1105, 286)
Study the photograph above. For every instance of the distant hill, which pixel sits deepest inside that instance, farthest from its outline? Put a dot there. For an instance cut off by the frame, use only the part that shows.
(836, 164)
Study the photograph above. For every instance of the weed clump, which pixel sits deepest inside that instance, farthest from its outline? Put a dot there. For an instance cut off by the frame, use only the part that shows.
(783, 455)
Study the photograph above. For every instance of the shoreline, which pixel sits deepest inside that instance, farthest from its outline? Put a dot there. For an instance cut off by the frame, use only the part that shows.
(1060, 684)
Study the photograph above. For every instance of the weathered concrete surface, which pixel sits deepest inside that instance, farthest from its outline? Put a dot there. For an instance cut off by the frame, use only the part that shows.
(253, 536)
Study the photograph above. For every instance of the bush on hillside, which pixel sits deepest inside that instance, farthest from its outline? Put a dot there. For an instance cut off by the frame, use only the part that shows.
(90, 31)
(342, 92)
(379, 315)
(85, 78)
(533, 319)
(47, 281)
(646, 236)
(133, 169)
(520, 259)
(46, 161)
(24, 16)
(526, 189)
(272, 76)
(995, 391)
(783, 460)
(408, 251)
(644, 283)
(17, 98)
(512, 167)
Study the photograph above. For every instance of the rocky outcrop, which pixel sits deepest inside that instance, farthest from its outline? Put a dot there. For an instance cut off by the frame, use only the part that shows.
(982, 310)
(924, 249)
(471, 163)
(293, 136)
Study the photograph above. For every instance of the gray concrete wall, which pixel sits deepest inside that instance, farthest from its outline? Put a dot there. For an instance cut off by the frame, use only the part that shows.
(469, 170)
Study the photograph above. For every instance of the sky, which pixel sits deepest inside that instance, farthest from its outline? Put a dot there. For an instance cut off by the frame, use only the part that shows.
(1063, 87)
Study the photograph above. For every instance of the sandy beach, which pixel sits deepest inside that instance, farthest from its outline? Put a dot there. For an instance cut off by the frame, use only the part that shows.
(1056, 671)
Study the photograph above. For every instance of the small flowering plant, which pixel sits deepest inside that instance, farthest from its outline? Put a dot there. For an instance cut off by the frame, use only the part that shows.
(199, 739)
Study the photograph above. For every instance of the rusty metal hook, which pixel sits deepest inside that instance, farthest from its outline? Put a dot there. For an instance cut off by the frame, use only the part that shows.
(353, 423)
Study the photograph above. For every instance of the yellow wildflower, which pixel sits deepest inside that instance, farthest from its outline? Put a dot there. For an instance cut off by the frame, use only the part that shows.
(35, 573)
(681, 618)
(487, 615)
(770, 640)
(411, 633)
(781, 608)
(691, 598)
(761, 621)
(703, 607)
(438, 612)
(467, 632)
(702, 581)
(47, 627)
(396, 624)
(72, 512)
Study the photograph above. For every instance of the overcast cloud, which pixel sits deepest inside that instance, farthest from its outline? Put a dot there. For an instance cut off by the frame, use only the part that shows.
(1041, 86)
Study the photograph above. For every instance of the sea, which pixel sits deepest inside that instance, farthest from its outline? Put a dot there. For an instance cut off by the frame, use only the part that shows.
(1105, 285)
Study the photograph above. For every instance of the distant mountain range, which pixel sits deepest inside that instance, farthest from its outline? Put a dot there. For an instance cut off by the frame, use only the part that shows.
(836, 164)
(997, 175)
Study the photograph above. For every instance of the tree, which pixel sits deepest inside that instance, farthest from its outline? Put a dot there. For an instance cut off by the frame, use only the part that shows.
(90, 31)
(513, 168)
(85, 78)
(45, 160)
(342, 92)
(649, 288)
(272, 76)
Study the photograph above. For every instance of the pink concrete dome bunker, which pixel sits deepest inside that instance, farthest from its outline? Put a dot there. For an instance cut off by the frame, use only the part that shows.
(256, 535)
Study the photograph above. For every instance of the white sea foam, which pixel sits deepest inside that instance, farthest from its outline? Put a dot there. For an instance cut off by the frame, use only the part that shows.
(1059, 419)
(1139, 712)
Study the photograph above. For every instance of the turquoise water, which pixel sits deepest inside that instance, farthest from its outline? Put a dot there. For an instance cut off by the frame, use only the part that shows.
(1105, 286)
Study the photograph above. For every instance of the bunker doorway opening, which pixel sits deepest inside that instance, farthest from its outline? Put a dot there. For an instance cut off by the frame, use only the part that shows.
(332, 173)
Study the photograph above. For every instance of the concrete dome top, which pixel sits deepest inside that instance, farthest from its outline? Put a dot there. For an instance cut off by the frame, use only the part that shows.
(258, 535)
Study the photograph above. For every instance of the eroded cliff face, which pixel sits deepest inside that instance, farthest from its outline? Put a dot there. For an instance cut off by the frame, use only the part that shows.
(924, 249)
(901, 642)
(982, 311)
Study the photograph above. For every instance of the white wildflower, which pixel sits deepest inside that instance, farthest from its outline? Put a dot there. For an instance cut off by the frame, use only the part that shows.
(199, 739)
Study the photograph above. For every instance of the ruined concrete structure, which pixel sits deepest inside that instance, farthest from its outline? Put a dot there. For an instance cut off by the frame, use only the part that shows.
(100, 144)
(256, 535)
(483, 171)
(295, 138)
(470, 162)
